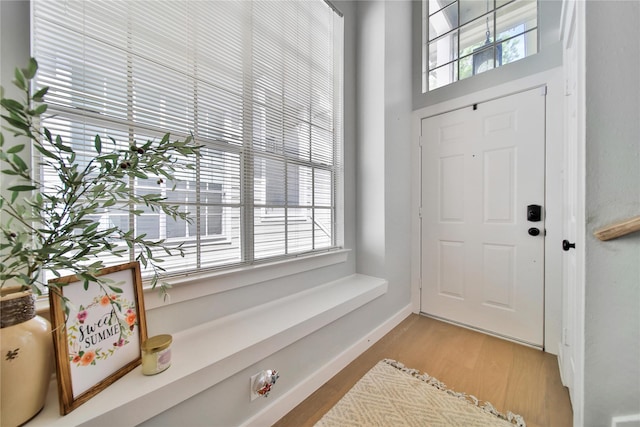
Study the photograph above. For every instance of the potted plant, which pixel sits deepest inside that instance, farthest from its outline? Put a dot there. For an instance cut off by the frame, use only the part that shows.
(50, 227)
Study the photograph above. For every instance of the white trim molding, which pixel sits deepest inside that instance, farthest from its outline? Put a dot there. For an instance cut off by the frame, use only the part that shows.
(282, 406)
(626, 421)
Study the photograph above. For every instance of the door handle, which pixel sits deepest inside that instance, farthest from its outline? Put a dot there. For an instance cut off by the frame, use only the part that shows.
(566, 245)
(533, 231)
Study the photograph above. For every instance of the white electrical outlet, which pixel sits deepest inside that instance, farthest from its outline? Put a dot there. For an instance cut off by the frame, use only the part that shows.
(262, 382)
(254, 392)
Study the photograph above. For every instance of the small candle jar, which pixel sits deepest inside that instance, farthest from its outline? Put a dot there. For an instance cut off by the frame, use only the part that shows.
(156, 354)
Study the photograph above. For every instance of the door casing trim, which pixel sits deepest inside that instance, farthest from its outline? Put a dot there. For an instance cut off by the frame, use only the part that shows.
(552, 80)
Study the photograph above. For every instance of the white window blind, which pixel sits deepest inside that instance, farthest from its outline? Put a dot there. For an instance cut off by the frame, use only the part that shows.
(258, 84)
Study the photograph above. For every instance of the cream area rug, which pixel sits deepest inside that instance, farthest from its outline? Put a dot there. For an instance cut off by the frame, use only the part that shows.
(391, 395)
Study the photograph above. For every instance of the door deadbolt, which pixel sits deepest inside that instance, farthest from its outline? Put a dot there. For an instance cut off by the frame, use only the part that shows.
(534, 213)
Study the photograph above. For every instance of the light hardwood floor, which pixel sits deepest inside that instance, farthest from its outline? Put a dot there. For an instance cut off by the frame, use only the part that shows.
(511, 376)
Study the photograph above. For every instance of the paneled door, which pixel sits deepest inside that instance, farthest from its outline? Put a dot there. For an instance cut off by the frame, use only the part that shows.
(483, 216)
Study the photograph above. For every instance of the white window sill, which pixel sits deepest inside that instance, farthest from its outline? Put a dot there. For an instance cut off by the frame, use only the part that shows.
(192, 286)
(196, 285)
(207, 354)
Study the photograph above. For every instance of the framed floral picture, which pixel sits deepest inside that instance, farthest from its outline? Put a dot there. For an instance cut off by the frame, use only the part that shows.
(98, 332)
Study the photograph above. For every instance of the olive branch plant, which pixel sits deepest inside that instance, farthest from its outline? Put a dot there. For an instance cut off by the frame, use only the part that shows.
(49, 226)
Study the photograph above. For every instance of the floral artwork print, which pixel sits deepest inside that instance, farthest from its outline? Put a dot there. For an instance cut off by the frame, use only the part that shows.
(100, 338)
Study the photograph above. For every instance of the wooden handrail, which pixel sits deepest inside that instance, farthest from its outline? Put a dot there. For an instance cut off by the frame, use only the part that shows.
(618, 229)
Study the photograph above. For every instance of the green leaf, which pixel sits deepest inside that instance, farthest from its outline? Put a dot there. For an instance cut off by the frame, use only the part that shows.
(19, 81)
(90, 229)
(12, 105)
(140, 174)
(115, 289)
(31, 69)
(98, 144)
(19, 124)
(39, 95)
(47, 133)
(16, 149)
(19, 162)
(60, 145)
(45, 152)
(40, 109)
(22, 188)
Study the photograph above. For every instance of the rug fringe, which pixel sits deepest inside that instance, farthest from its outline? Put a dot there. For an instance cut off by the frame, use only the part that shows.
(515, 419)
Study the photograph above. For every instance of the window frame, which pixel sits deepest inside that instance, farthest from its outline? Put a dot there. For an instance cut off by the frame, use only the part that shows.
(248, 261)
(456, 56)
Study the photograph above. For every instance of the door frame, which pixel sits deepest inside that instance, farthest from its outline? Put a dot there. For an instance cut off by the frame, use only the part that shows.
(571, 358)
(554, 111)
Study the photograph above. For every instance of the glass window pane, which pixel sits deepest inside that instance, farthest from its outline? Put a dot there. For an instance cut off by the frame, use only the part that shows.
(436, 5)
(474, 35)
(322, 230)
(500, 3)
(443, 50)
(321, 146)
(322, 185)
(268, 181)
(444, 21)
(471, 9)
(300, 230)
(516, 18)
(483, 60)
(466, 67)
(297, 139)
(299, 185)
(269, 232)
(219, 236)
(443, 76)
(518, 47)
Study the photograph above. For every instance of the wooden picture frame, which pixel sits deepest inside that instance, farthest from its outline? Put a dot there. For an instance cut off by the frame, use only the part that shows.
(95, 342)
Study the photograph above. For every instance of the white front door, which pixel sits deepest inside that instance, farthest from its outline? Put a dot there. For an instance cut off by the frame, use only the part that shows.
(482, 255)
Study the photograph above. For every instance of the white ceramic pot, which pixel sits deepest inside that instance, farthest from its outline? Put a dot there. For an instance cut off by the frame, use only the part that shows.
(27, 354)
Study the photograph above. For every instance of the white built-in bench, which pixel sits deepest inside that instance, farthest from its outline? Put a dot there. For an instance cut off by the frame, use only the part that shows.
(207, 354)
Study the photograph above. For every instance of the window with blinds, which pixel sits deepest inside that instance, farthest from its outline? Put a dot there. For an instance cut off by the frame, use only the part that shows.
(258, 85)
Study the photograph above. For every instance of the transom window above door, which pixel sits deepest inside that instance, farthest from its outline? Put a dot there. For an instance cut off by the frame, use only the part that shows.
(461, 38)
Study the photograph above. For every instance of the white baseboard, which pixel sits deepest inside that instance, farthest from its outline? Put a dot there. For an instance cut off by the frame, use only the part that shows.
(561, 364)
(291, 399)
(626, 421)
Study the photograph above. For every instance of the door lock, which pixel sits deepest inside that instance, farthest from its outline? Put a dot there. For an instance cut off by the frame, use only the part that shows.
(534, 213)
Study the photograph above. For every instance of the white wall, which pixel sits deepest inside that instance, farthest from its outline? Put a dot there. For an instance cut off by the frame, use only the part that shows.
(13, 51)
(384, 143)
(612, 285)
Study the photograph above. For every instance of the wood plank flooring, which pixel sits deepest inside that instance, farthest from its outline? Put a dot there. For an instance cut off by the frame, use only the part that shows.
(510, 376)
